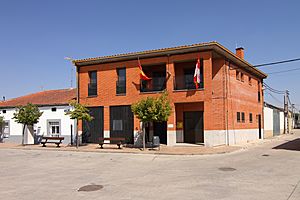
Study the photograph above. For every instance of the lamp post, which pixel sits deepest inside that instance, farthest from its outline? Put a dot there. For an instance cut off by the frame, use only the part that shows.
(75, 120)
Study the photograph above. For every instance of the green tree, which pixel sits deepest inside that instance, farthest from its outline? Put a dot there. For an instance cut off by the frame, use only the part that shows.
(27, 115)
(152, 110)
(80, 112)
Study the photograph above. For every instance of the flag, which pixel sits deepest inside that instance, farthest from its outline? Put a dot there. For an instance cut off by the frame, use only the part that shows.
(197, 74)
(143, 76)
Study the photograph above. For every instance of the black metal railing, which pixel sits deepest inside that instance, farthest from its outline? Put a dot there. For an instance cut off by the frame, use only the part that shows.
(186, 83)
(154, 85)
(121, 87)
(92, 89)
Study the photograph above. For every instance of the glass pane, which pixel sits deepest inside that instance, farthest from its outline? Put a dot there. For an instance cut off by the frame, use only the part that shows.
(117, 125)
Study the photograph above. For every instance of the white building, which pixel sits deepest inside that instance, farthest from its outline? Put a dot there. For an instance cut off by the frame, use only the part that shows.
(273, 121)
(53, 122)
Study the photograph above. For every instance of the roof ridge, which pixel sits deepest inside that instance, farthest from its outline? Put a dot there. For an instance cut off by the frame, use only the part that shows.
(144, 51)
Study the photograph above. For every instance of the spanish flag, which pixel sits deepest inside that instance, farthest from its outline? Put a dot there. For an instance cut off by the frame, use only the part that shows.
(197, 74)
(143, 76)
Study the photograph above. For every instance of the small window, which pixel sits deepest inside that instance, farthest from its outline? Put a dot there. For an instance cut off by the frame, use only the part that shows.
(250, 118)
(258, 96)
(54, 128)
(121, 82)
(6, 129)
(237, 75)
(238, 117)
(242, 77)
(53, 109)
(250, 81)
(92, 86)
(3, 111)
(243, 117)
(117, 125)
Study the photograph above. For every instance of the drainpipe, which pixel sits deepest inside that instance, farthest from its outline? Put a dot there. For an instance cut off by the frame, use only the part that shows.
(226, 95)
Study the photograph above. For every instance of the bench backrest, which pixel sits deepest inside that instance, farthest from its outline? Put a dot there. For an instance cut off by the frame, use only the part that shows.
(112, 139)
(53, 138)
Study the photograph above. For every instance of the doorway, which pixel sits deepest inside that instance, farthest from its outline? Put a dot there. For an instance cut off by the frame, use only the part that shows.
(193, 127)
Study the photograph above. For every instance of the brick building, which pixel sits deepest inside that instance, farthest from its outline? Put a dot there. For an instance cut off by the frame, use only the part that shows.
(227, 108)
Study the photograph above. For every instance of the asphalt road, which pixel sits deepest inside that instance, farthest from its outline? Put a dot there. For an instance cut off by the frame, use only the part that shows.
(265, 171)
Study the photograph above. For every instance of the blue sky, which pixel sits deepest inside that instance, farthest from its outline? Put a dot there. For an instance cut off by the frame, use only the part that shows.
(36, 35)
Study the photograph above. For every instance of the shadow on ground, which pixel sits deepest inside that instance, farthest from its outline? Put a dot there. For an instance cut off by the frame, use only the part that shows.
(293, 145)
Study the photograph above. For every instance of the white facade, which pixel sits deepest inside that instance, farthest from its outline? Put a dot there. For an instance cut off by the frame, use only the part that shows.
(53, 121)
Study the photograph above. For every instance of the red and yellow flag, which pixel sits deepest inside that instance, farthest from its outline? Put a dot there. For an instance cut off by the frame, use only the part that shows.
(143, 76)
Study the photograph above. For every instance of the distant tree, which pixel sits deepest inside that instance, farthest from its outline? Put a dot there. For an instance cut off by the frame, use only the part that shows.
(27, 115)
(152, 110)
(80, 112)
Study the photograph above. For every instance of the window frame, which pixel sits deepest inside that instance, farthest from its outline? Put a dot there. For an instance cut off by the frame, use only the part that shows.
(238, 116)
(49, 130)
(243, 117)
(238, 75)
(250, 117)
(242, 76)
(92, 85)
(118, 81)
(6, 135)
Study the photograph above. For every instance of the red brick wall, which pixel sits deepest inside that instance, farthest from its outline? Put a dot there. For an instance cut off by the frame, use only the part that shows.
(240, 96)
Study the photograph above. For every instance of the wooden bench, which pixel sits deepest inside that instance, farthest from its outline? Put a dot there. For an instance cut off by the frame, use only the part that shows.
(53, 140)
(119, 141)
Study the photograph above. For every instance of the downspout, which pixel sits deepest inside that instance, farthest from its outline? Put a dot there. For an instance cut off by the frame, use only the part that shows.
(77, 99)
(226, 99)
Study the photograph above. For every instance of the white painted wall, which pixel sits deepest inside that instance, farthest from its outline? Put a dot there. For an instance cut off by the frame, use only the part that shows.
(239, 136)
(281, 122)
(41, 127)
(268, 118)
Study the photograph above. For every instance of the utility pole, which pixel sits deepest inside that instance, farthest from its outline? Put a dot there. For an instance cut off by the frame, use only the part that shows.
(286, 112)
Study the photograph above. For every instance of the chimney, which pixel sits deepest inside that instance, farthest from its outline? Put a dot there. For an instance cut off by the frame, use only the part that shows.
(239, 52)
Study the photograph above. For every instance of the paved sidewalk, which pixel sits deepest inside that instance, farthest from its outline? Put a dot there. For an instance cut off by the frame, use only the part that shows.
(109, 148)
(180, 149)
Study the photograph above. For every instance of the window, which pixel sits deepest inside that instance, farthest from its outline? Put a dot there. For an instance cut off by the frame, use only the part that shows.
(121, 82)
(250, 118)
(6, 129)
(54, 127)
(238, 117)
(237, 75)
(258, 96)
(243, 117)
(53, 109)
(250, 81)
(242, 77)
(92, 86)
(189, 79)
(117, 125)
(3, 111)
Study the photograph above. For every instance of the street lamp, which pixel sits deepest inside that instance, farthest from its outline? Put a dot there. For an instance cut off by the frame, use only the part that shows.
(75, 120)
(72, 69)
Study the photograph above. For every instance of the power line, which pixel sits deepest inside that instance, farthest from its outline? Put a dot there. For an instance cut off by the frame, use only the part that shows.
(284, 71)
(273, 90)
(278, 62)
(274, 98)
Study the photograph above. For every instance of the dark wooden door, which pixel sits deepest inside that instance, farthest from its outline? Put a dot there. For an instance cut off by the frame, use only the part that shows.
(160, 130)
(193, 127)
(94, 129)
(121, 123)
(259, 126)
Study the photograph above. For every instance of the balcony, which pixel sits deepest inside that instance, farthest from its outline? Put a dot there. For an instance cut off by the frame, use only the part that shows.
(92, 89)
(157, 73)
(184, 75)
(155, 85)
(186, 82)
